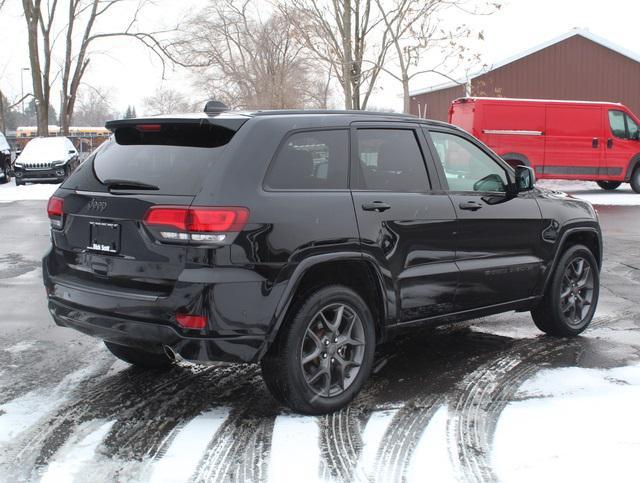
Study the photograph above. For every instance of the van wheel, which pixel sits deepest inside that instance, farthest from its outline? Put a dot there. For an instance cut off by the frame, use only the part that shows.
(140, 358)
(5, 178)
(571, 298)
(635, 180)
(323, 354)
(609, 185)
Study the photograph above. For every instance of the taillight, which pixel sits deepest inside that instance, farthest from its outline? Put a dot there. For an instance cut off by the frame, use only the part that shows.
(187, 321)
(55, 211)
(201, 224)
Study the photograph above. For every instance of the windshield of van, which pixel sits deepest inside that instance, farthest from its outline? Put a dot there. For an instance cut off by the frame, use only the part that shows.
(169, 159)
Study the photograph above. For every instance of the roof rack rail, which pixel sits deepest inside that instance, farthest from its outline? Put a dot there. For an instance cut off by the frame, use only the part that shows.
(284, 112)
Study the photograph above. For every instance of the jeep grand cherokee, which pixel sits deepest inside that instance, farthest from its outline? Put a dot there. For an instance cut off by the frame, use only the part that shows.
(303, 239)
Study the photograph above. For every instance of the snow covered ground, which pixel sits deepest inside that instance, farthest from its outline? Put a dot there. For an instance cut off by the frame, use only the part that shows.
(38, 191)
(587, 190)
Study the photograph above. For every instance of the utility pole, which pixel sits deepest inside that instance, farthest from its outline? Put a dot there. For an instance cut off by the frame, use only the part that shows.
(22, 86)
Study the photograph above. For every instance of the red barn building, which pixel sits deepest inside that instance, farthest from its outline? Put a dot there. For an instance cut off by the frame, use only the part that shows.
(576, 66)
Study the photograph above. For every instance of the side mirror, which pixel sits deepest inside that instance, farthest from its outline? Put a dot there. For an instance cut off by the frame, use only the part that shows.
(525, 178)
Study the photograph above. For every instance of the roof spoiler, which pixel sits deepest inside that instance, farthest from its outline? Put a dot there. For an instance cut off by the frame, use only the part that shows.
(215, 107)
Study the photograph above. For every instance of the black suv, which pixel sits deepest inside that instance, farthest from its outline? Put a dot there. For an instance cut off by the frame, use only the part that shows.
(304, 239)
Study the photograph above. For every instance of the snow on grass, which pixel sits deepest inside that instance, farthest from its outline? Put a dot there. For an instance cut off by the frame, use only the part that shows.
(40, 191)
(431, 456)
(80, 450)
(591, 192)
(295, 454)
(187, 449)
(579, 425)
(372, 436)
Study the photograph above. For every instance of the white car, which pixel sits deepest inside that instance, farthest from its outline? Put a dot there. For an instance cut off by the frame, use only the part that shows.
(5, 159)
(46, 159)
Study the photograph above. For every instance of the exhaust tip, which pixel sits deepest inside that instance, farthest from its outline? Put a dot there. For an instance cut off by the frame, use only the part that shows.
(171, 354)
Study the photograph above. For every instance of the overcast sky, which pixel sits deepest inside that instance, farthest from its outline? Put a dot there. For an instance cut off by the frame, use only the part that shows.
(131, 73)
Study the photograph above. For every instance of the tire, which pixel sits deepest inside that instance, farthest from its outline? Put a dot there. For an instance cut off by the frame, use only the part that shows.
(140, 358)
(554, 315)
(635, 180)
(609, 185)
(5, 178)
(296, 383)
(19, 182)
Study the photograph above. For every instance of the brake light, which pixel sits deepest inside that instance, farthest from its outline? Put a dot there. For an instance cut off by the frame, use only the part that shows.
(203, 224)
(55, 211)
(191, 321)
(149, 127)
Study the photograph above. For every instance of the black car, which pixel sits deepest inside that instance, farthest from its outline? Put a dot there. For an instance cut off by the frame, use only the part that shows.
(304, 239)
(46, 159)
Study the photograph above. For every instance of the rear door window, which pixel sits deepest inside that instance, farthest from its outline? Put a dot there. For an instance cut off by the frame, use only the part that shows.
(389, 160)
(173, 158)
(311, 160)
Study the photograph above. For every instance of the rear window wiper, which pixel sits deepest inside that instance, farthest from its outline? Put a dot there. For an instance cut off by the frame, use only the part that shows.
(125, 184)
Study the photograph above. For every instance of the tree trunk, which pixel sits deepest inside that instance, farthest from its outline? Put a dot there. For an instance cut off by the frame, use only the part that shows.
(347, 66)
(405, 95)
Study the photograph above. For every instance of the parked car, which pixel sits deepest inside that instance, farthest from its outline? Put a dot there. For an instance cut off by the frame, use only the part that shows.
(304, 239)
(593, 141)
(46, 159)
(5, 160)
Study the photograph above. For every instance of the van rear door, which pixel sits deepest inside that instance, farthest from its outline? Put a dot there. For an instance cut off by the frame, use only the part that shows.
(575, 142)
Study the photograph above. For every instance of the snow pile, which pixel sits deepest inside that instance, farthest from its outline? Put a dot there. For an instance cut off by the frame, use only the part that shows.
(40, 191)
(577, 425)
(591, 192)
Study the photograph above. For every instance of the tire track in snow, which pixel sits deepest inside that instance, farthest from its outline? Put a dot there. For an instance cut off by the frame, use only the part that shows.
(402, 437)
(241, 448)
(484, 393)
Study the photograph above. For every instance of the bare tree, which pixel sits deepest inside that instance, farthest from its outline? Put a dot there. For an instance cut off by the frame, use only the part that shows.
(39, 29)
(416, 32)
(165, 101)
(248, 62)
(93, 107)
(79, 31)
(349, 36)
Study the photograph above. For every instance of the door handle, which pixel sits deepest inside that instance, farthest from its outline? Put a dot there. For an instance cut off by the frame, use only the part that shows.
(378, 206)
(470, 205)
(594, 142)
(609, 143)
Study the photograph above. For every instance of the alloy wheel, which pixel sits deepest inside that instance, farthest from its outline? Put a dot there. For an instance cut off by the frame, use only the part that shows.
(332, 350)
(576, 295)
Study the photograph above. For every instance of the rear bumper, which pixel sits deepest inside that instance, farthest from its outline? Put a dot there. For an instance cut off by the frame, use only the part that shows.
(153, 337)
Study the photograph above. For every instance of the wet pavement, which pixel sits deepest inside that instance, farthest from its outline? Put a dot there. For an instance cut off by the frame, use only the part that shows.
(472, 402)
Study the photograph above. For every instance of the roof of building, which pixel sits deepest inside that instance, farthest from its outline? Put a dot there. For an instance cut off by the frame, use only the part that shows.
(571, 33)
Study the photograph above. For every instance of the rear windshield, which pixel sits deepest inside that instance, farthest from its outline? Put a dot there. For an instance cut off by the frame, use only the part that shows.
(174, 158)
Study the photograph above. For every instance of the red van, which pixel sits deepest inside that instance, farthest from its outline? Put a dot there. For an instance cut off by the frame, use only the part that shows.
(593, 141)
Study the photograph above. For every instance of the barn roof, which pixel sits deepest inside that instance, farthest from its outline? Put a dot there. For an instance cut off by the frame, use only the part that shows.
(572, 33)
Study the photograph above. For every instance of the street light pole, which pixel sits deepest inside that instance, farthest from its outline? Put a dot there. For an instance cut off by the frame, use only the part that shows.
(22, 87)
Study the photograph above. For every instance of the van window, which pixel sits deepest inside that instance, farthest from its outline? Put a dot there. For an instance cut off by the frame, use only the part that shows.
(632, 128)
(467, 167)
(623, 126)
(616, 121)
(390, 160)
(314, 160)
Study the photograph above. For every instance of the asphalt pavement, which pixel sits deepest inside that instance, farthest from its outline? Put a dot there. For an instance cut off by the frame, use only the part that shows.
(472, 402)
